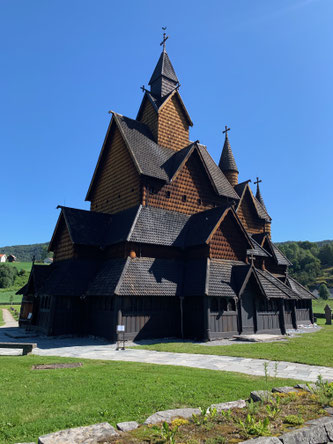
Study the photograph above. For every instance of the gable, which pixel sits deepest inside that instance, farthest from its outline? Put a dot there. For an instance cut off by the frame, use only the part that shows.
(229, 241)
(248, 215)
(61, 243)
(173, 126)
(189, 192)
(116, 184)
(148, 116)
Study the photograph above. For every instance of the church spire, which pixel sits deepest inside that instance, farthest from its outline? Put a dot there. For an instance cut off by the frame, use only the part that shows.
(163, 79)
(227, 162)
(258, 194)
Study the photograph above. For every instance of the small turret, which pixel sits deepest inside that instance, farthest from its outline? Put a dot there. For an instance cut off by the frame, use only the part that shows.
(164, 79)
(227, 162)
(258, 194)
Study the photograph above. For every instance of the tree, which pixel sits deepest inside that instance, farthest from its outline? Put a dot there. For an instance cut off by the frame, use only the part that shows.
(7, 275)
(323, 292)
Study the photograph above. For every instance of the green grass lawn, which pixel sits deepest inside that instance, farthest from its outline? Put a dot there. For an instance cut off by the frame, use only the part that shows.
(36, 402)
(308, 348)
(5, 295)
(21, 265)
(318, 305)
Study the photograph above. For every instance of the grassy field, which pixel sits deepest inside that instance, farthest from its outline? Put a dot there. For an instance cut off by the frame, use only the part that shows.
(326, 277)
(35, 402)
(21, 265)
(7, 293)
(309, 348)
(5, 296)
(318, 305)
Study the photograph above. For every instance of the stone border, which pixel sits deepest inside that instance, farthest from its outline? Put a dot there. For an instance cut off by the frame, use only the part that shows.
(316, 431)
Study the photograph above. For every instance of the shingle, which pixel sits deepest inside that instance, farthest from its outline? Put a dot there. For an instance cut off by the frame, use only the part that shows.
(280, 257)
(221, 183)
(163, 68)
(159, 227)
(262, 212)
(151, 277)
(227, 160)
(273, 287)
(257, 249)
(86, 227)
(69, 278)
(121, 225)
(302, 292)
(240, 187)
(107, 278)
(39, 273)
(220, 279)
(148, 155)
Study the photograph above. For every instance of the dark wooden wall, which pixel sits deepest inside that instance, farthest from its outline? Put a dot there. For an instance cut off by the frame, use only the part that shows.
(222, 318)
(63, 246)
(173, 128)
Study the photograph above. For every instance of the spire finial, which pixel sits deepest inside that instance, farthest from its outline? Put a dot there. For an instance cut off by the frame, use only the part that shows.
(165, 37)
(257, 182)
(226, 131)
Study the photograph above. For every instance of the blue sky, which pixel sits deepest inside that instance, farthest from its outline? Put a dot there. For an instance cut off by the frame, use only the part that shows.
(263, 67)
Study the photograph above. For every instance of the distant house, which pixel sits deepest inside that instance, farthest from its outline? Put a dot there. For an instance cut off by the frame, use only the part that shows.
(3, 257)
(48, 260)
(11, 258)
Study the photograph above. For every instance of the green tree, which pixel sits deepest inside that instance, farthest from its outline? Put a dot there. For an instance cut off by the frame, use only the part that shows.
(323, 292)
(7, 275)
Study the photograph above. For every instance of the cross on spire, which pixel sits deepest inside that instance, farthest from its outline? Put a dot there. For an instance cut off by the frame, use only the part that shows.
(257, 182)
(165, 37)
(226, 130)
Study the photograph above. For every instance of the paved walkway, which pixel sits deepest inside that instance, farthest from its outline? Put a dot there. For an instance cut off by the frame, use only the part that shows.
(92, 348)
(8, 319)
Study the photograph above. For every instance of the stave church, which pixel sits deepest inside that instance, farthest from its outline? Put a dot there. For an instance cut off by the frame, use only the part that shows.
(173, 246)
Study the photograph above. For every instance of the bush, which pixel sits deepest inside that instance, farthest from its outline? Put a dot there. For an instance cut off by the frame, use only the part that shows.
(7, 275)
(323, 292)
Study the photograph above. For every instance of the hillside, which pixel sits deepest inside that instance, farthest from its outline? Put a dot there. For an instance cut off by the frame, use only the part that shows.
(312, 261)
(25, 253)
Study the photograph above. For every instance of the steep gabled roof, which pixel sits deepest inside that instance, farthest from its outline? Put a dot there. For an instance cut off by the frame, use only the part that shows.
(37, 276)
(241, 190)
(139, 276)
(257, 249)
(279, 257)
(260, 198)
(302, 292)
(163, 68)
(227, 160)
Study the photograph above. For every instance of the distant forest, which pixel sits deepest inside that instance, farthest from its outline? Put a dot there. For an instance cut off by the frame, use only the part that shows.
(312, 261)
(25, 253)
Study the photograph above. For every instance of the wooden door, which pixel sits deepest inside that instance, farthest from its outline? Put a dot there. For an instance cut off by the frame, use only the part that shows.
(248, 312)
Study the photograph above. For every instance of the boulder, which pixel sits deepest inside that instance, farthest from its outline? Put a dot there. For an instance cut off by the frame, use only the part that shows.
(261, 395)
(284, 390)
(306, 435)
(262, 440)
(307, 387)
(88, 435)
(127, 426)
(240, 404)
(169, 415)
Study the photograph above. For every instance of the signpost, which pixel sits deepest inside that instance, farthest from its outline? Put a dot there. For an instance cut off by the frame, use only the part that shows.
(120, 337)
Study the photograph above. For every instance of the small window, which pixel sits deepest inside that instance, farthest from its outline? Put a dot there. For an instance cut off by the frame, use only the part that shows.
(199, 202)
(168, 194)
(184, 198)
(151, 190)
(231, 305)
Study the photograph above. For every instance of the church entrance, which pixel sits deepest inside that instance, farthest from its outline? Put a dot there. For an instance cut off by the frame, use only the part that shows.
(248, 313)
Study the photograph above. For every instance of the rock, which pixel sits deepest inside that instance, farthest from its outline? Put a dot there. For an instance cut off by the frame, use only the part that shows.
(261, 395)
(240, 404)
(262, 440)
(127, 426)
(306, 387)
(88, 435)
(329, 410)
(169, 415)
(306, 435)
(284, 389)
(329, 430)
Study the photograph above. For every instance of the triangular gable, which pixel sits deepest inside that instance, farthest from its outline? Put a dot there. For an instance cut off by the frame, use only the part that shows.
(228, 239)
(248, 212)
(60, 227)
(278, 256)
(243, 189)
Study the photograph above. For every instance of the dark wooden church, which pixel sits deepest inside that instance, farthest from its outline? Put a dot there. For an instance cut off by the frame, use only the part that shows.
(173, 245)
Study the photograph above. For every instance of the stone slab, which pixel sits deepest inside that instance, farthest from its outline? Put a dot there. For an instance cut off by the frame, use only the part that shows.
(240, 404)
(262, 440)
(261, 395)
(329, 410)
(307, 387)
(259, 338)
(127, 426)
(306, 435)
(81, 435)
(284, 389)
(169, 415)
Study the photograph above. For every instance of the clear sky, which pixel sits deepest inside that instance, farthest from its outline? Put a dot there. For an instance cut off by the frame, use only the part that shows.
(263, 67)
